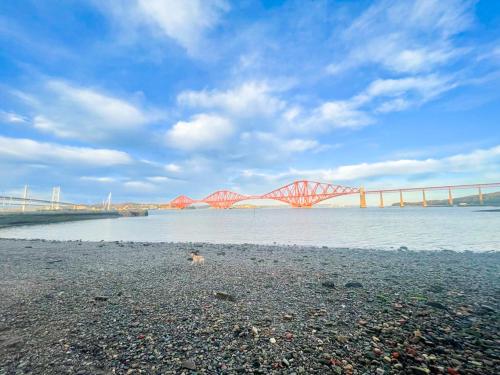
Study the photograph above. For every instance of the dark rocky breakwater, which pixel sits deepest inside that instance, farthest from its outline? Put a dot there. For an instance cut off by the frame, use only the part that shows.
(142, 308)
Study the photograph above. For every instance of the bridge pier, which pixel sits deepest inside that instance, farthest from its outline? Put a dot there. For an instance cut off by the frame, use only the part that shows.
(450, 197)
(362, 197)
(481, 199)
(424, 201)
(401, 201)
(25, 197)
(381, 196)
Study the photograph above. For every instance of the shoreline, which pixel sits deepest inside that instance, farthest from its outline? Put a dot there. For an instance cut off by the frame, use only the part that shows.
(271, 244)
(97, 307)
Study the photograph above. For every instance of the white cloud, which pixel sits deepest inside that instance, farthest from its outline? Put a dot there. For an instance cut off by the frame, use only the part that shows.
(381, 96)
(392, 167)
(158, 179)
(12, 118)
(491, 53)
(186, 22)
(21, 149)
(426, 87)
(69, 111)
(270, 144)
(399, 94)
(342, 114)
(172, 167)
(60, 130)
(395, 105)
(139, 186)
(109, 108)
(202, 132)
(406, 37)
(249, 99)
(300, 145)
(105, 180)
(292, 113)
(482, 160)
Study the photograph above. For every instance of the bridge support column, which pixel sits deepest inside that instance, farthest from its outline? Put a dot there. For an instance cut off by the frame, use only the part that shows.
(362, 197)
(424, 201)
(450, 197)
(401, 201)
(481, 199)
(381, 196)
(108, 202)
(25, 197)
(53, 198)
(56, 194)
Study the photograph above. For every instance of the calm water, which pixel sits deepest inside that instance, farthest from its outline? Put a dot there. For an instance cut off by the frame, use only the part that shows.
(388, 228)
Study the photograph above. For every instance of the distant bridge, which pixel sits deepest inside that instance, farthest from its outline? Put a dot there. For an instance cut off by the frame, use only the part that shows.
(306, 194)
(28, 203)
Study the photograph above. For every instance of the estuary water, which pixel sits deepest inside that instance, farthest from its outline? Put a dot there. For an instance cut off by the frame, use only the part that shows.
(432, 228)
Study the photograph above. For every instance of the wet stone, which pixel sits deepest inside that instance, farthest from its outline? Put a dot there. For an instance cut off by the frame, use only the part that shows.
(165, 316)
(485, 309)
(436, 305)
(10, 341)
(224, 296)
(353, 284)
(328, 284)
(189, 364)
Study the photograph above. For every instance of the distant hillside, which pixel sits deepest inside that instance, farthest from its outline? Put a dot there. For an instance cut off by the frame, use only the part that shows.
(489, 199)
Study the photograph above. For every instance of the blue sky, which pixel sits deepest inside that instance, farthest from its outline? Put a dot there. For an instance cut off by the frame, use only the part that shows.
(150, 99)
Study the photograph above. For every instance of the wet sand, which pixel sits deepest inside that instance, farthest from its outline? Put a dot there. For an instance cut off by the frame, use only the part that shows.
(131, 308)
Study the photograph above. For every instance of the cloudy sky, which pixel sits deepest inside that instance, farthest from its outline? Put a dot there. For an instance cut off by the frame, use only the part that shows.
(153, 98)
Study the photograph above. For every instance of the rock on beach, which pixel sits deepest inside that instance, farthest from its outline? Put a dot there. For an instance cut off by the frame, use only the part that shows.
(128, 308)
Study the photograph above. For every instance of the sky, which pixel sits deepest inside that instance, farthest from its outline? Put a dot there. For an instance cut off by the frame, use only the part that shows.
(150, 99)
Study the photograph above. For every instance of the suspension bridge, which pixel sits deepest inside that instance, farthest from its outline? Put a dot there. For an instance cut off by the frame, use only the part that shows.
(28, 203)
(305, 194)
(27, 210)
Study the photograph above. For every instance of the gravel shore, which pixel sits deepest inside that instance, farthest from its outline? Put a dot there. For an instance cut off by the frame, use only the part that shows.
(142, 308)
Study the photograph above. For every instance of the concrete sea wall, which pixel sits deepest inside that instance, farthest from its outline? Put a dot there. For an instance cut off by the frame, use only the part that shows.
(9, 219)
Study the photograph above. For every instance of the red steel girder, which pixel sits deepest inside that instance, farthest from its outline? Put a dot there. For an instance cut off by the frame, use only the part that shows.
(224, 198)
(307, 193)
(181, 202)
(444, 187)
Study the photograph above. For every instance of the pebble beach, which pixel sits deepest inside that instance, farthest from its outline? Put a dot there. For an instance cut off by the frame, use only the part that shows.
(143, 308)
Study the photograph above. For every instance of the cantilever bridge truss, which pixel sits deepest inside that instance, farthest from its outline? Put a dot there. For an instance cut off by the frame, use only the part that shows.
(297, 194)
(305, 193)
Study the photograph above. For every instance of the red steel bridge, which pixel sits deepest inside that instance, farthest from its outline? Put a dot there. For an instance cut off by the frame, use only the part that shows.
(305, 193)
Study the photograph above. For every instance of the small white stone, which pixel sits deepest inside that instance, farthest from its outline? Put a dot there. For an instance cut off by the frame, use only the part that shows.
(272, 340)
(255, 331)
